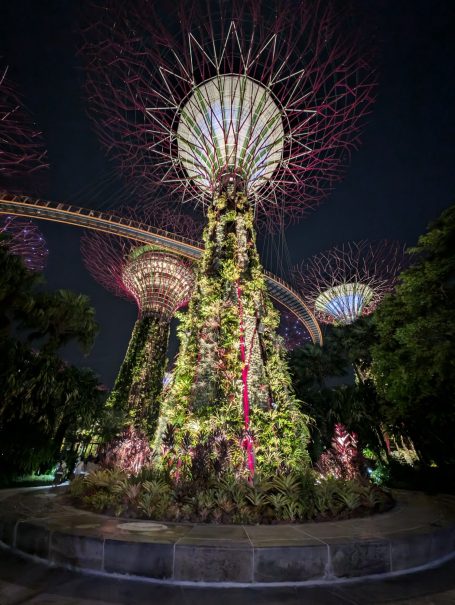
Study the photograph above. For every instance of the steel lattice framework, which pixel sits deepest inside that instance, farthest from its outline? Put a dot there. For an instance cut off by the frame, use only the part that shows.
(21, 147)
(274, 95)
(158, 281)
(24, 239)
(349, 281)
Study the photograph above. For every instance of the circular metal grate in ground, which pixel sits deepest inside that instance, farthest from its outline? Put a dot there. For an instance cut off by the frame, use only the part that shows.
(142, 526)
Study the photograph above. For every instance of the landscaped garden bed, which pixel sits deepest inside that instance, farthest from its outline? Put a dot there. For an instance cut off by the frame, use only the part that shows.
(292, 497)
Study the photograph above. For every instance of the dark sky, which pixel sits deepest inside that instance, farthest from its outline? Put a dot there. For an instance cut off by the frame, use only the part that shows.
(402, 177)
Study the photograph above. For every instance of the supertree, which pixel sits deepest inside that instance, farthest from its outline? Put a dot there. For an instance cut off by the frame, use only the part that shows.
(349, 281)
(159, 283)
(22, 153)
(250, 112)
(24, 239)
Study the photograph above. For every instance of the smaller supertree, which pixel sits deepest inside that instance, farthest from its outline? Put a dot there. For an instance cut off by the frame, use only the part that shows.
(24, 239)
(22, 152)
(349, 281)
(160, 283)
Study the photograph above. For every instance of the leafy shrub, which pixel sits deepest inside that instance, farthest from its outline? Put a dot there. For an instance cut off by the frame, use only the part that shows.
(129, 452)
(286, 497)
(343, 460)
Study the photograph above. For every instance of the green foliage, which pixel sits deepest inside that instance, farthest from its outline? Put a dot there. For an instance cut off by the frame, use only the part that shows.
(44, 401)
(204, 403)
(135, 396)
(402, 360)
(57, 318)
(17, 286)
(356, 405)
(414, 357)
(290, 497)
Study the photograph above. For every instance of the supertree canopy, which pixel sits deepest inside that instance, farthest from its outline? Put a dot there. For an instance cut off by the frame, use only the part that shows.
(24, 239)
(349, 281)
(274, 94)
(160, 283)
(251, 111)
(21, 147)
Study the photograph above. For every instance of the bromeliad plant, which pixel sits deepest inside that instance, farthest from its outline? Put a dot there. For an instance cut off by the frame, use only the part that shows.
(285, 498)
(128, 452)
(343, 460)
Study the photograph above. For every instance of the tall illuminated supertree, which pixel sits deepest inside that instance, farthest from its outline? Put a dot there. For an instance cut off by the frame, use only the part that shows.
(159, 283)
(24, 239)
(349, 281)
(250, 111)
(22, 153)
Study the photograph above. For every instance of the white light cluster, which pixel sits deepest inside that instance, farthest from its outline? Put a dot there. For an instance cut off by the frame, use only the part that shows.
(231, 124)
(161, 283)
(345, 302)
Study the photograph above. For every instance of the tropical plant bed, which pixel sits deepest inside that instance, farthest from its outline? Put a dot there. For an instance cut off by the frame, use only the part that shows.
(287, 498)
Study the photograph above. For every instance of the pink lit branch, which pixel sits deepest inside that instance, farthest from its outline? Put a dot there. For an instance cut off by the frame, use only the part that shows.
(24, 239)
(21, 146)
(142, 64)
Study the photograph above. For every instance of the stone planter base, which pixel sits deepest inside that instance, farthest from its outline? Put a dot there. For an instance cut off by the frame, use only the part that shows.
(418, 531)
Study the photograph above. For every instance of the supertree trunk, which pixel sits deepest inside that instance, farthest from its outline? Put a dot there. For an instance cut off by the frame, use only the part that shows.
(135, 396)
(231, 380)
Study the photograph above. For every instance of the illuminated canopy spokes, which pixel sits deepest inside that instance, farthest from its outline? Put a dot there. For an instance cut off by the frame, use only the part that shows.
(275, 96)
(349, 281)
(160, 282)
(345, 302)
(230, 124)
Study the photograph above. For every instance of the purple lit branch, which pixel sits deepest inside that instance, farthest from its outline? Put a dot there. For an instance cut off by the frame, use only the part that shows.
(24, 239)
(21, 146)
(142, 66)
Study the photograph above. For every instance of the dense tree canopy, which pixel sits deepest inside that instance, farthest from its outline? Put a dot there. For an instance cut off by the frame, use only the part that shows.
(402, 361)
(334, 383)
(414, 356)
(43, 400)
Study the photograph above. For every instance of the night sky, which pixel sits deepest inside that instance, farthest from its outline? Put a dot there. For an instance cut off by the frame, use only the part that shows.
(401, 178)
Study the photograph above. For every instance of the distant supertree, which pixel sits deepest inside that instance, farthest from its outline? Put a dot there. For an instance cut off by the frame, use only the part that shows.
(22, 153)
(250, 111)
(349, 281)
(24, 239)
(159, 283)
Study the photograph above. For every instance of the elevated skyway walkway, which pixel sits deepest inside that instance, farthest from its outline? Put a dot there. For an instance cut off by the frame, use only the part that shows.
(110, 222)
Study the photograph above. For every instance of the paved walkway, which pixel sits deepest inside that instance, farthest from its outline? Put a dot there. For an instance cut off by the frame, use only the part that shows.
(23, 582)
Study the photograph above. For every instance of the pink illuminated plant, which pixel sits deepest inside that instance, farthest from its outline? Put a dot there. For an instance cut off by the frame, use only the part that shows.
(342, 460)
